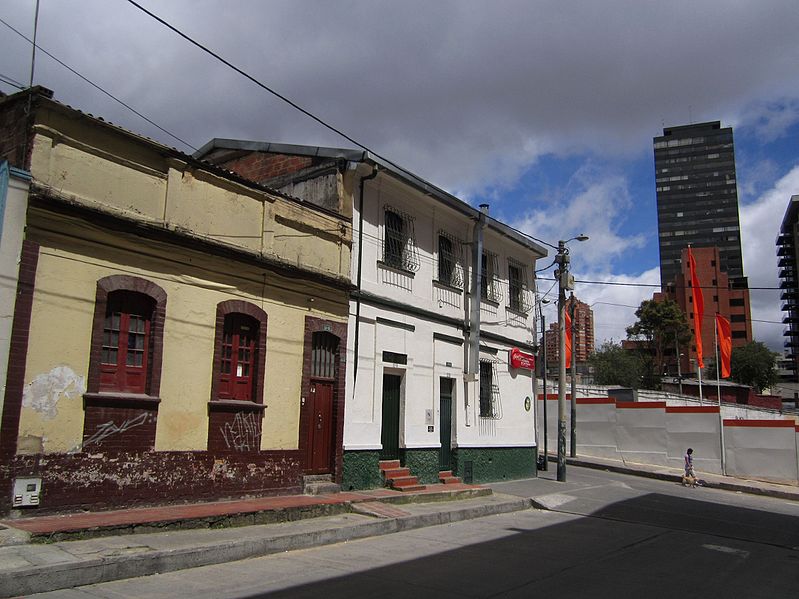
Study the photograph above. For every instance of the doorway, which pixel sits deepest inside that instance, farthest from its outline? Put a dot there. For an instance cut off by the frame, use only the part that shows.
(389, 431)
(445, 424)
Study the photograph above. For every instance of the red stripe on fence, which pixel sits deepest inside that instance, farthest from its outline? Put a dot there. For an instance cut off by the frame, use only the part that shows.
(595, 400)
(640, 404)
(552, 396)
(761, 423)
(692, 409)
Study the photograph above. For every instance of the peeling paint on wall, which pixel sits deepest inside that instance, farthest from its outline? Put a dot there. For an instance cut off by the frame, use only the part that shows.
(44, 392)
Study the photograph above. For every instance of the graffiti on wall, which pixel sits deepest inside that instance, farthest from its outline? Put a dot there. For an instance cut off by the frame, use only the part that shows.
(111, 428)
(243, 434)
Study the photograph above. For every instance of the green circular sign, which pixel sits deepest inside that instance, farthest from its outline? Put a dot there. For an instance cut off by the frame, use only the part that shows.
(527, 403)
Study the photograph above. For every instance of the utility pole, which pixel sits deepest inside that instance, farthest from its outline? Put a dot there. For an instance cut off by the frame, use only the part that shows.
(562, 260)
(565, 282)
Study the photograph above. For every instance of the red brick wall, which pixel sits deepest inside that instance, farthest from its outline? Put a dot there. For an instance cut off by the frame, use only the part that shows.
(260, 166)
(113, 480)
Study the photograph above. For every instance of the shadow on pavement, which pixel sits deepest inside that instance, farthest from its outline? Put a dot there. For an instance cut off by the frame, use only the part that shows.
(654, 545)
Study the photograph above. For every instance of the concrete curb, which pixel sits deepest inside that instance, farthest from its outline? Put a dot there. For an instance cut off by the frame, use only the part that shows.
(84, 571)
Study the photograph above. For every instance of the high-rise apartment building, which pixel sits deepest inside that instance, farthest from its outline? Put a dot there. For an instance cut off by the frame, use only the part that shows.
(787, 244)
(719, 298)
(697, 197)
(583, 334)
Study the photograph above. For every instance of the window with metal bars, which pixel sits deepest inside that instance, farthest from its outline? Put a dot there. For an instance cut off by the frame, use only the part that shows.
(489, 391)
(126, 342)
(489, 283)
(450, 260)
(519, 298)
(399, 243)
(324, 349)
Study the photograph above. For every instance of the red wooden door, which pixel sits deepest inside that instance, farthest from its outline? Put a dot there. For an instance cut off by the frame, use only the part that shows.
(320, 431)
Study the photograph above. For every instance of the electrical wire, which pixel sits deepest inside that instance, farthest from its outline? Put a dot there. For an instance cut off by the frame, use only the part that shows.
(9, 81)
(96, 86)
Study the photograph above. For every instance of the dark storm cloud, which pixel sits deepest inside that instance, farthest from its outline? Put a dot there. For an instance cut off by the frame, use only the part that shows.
(466, 93)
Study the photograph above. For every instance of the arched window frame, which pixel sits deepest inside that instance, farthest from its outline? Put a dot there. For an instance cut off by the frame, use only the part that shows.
(223, 309)
(127, 283)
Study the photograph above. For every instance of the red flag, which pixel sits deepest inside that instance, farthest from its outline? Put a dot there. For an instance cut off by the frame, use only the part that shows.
(699, 308)
(725, 344)
(568, 339)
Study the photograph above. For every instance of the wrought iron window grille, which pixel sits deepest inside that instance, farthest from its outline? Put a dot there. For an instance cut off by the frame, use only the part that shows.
(490, 401)
(520, 297)
(399, 241)
(450, 260)
(490, 288)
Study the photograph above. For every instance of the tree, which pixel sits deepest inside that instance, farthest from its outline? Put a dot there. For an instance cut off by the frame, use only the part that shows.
(660, 325)
(616, 366)
(755, 365)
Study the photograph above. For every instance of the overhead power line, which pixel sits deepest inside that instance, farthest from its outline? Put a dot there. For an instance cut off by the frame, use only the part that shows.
(623, 284)
(93, 84)
(12, 82)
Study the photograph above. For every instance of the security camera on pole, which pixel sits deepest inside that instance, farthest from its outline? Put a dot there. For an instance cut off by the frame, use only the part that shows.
(565, 282)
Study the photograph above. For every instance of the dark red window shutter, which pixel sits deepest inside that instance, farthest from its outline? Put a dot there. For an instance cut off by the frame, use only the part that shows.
(126, 342)
(238, 357)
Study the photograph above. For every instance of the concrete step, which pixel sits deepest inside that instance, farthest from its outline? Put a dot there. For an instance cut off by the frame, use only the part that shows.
(411, 488)
(396, 473)
(450, 480)
(388, 464)
(321, 488)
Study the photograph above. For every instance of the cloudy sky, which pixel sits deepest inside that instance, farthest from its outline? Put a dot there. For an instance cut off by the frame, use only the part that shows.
(545, 110)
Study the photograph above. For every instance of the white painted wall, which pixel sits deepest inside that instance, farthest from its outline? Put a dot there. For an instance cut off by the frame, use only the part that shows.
(761, 452)
(397, 329)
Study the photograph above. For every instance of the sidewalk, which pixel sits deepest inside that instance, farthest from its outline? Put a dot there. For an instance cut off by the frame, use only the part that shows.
(104, 547)
(712, 481)
(186, 536)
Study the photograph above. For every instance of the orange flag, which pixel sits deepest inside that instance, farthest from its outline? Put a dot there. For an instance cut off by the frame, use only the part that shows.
(725, 345)
(699, 308)
(568, 339)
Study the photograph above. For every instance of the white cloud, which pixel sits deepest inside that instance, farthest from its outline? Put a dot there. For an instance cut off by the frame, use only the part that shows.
(760, 224)
(594, 203)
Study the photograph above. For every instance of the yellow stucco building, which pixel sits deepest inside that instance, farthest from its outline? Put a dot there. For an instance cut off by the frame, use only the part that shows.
(179, 331)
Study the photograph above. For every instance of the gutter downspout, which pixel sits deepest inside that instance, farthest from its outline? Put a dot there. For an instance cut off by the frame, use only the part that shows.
(358, 277)
(473, 370)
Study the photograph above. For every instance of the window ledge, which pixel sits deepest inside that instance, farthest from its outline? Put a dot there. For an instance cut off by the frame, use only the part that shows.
(234, 405)
(397, 269)
(112, 399)
(447, 286)
(489, 301)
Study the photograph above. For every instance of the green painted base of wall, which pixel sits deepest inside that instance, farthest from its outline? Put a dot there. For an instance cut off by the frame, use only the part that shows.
(492, 464)
(488, 464)
(423, 464)
(361, 470)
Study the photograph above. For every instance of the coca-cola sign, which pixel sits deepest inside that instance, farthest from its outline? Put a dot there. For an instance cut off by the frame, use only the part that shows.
(519, 359)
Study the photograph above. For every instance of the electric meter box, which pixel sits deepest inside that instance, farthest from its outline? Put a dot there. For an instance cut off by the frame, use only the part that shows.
(27, 492)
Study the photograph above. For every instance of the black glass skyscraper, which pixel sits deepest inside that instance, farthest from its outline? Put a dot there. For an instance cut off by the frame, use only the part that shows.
(697, 197)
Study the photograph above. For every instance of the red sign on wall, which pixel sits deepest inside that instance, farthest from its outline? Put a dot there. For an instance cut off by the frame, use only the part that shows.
(519, 359)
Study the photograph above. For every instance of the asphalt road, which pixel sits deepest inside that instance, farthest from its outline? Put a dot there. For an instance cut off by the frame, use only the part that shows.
(603, 535)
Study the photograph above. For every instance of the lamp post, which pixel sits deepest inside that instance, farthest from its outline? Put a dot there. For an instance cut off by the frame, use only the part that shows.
(565, 282)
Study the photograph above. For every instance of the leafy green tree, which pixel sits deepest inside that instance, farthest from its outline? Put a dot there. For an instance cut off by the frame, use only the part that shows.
(613, 365)
(755, 365)
(660, 325)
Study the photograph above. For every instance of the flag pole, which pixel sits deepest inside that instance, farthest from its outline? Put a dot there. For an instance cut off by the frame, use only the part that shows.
(699, 370)
(718, 386)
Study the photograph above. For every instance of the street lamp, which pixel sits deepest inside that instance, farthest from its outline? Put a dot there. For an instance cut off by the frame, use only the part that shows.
(565, 281)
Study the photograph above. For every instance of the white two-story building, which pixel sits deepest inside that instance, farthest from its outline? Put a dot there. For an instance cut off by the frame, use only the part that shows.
(443, 294)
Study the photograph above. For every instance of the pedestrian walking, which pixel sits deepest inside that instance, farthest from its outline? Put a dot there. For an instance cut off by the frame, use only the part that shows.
(689, 477)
